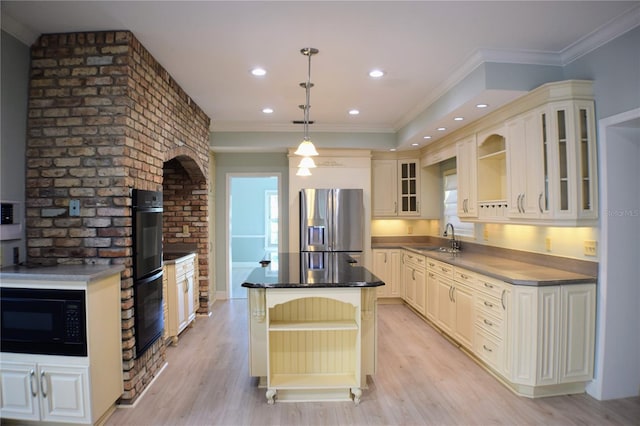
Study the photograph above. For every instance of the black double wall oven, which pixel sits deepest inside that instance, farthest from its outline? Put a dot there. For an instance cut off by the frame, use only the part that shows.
(147, 267)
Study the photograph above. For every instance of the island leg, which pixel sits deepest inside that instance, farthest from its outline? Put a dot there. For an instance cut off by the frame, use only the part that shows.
(271, 393)
(357, 393)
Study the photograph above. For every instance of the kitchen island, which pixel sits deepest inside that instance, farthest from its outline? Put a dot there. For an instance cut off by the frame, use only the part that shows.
(312, 326)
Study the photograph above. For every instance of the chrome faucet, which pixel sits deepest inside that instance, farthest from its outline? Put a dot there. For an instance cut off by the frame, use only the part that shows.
(455, 244)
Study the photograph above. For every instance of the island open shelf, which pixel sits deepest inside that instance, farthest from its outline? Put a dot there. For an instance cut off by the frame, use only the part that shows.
(313, 344)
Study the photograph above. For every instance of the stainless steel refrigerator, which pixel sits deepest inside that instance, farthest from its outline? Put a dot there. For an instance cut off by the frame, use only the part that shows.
(331, 224)
(331, 220)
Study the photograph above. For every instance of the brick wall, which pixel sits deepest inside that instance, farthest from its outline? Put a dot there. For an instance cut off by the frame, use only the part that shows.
(104, 117)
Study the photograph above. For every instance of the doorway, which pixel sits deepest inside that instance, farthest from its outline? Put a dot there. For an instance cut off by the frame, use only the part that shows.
(617, 369)
(253, 226)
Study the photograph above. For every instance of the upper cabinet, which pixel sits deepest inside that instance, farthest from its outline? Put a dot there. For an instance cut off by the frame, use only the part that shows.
(401, 188)
(532, 161)
(551, 163)
(467, 171)
(492, 174)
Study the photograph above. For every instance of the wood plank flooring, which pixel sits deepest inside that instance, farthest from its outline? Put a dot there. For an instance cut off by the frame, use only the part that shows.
(422, 379)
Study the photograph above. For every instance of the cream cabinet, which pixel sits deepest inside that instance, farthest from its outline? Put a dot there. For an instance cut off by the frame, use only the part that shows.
(45, 392)
(181, 297)
(552, 339)
(414, 279)
(528, 169)
(492, 175)
(450, 300)
(396, 187)
(69, 389)
(387, 267)
(303, 322)
(491, 323)
(551, 163)
(467, 171)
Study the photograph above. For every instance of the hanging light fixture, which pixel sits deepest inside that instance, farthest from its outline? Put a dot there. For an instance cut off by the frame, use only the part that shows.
(306, 147)
(307, 163)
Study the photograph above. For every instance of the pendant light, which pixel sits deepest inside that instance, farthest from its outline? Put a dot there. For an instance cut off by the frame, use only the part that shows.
(306, 148)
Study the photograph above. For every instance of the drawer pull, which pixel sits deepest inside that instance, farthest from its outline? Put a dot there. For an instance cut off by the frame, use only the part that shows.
(43, 382)
(431, 275)
(32, 376)
(504, 308)
(432, 264)
(464, 277)
(487, 349)
(444, 269)
(489, 323)
(487, 285)
(488, 304)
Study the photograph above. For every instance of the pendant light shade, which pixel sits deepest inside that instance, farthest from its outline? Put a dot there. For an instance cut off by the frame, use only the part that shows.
(303, 171)
(306, 147)
(307, 163)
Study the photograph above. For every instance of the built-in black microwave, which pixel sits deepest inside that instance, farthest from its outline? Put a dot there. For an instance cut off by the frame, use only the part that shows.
(43, 321)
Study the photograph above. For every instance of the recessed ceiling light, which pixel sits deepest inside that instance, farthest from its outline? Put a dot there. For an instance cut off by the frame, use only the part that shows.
(426, 137)
(354, 112)
(415, 144)
(258, 72)
(376, 73)
(482, 105)
(392, 149)
(442, 129)
(267, 110)
(458, 118)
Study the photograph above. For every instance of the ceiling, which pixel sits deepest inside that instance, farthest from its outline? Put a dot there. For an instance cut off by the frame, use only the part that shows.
(425, 48)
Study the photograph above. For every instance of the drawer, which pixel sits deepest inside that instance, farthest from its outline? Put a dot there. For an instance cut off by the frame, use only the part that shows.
(415, 260)
(488, 348)
(490, 286)
(440, 268)
(489, 304)
(464, 276)
(185, 266)
(489, 323)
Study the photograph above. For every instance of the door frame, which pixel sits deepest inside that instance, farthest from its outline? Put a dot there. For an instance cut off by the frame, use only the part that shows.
(227, 217)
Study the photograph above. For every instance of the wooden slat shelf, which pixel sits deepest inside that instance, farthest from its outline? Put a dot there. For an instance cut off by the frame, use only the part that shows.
(313, 325)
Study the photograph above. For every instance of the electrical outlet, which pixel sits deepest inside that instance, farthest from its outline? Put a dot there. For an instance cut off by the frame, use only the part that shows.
(409, 229)
(547, 244)
(74, 207)
(590, 248)
(486, 234)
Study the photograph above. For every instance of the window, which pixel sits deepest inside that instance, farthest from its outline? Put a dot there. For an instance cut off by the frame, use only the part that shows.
(271, 208)
(450, 208)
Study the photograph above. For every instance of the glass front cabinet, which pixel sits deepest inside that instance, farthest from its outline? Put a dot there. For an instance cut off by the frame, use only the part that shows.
(568, 133)
(552, 165)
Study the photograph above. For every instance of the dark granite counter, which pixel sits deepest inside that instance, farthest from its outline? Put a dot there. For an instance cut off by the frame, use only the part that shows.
(313, 270)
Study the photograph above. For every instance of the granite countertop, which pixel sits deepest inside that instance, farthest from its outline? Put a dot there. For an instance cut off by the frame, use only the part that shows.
(174, 256)
(504, 269)
(58, 272)
(311, 270)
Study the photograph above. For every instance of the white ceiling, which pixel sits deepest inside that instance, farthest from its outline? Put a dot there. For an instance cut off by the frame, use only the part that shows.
(425, 48)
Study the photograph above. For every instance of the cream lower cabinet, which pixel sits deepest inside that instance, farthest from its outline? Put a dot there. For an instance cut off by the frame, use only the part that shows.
(450, 301)
(552, 339)
(181, 297)
(386, 266)
(68, 389)
(414, 280)
(46, 392)
(540, 340)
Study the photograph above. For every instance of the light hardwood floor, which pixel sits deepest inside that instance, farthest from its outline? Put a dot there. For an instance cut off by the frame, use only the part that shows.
(422, 379)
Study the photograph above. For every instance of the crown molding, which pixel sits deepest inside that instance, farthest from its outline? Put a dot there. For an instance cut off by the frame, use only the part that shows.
(18, 30)
(601, 36)
(607, 32)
